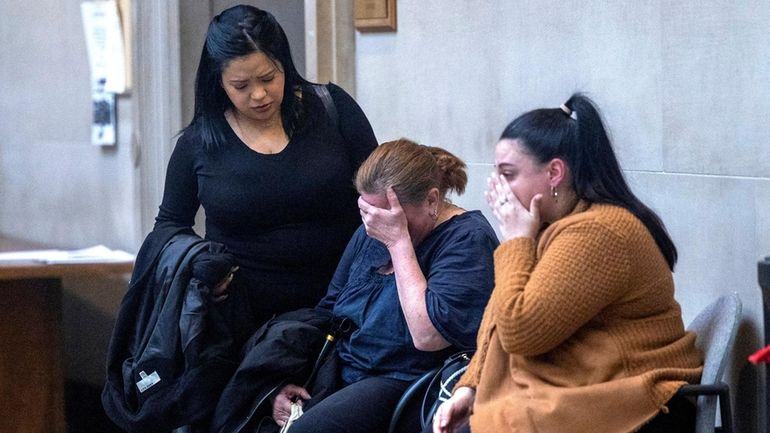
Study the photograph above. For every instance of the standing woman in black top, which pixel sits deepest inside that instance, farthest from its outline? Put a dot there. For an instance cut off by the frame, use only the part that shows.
(271, 166)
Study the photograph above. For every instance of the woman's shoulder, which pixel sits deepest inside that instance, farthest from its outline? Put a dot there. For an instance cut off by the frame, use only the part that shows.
(314, 103)
(616, 216)
(317, 89)
(188, 137)
(339, 95)
(596, 230)
(188, 145)
(190, 140)
(337, 91)
(473, 218)
(601, 217)
(471, 223)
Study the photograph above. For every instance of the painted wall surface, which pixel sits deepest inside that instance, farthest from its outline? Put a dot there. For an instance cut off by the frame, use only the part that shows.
(682, 85)
(55, 187)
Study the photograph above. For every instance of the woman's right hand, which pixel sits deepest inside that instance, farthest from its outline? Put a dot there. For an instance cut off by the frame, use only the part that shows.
(455, 412)
(388, 226)
(282, 402)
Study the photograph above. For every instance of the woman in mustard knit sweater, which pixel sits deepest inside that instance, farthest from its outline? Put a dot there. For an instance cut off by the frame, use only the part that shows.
(582, 332)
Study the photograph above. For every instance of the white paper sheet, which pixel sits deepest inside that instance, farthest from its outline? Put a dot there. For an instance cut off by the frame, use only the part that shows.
(96, 254)
(104, 41)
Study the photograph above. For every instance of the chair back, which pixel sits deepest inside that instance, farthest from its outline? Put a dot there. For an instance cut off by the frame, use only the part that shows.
(715, 328)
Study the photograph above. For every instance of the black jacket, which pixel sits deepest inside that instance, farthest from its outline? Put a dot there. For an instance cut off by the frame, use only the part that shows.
(287, 349)
(170, 354)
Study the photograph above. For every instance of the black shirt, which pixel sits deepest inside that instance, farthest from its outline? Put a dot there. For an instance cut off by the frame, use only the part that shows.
(287, 216)
(457, 260)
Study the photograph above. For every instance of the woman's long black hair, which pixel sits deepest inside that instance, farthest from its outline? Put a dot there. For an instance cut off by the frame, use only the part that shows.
(581, 140)
(239, 31)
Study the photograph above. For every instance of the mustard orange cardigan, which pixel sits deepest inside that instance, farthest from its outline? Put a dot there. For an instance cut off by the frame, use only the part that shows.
(582, 332)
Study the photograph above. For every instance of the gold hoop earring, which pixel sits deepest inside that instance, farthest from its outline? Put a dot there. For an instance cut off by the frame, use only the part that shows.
(554, 194)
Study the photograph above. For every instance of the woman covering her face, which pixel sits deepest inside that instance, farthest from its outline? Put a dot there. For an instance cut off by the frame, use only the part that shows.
(582, 332)
(414, 280)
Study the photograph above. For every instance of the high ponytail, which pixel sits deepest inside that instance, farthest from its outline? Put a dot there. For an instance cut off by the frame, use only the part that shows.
(575, 132)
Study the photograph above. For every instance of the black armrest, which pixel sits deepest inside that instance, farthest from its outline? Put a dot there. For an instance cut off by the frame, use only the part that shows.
(716, 389)
(416, 386)
(722, 391)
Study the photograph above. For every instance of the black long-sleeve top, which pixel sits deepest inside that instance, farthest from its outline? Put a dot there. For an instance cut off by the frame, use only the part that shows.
(287, 216)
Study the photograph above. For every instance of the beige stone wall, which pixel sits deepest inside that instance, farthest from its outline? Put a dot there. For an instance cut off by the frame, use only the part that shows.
(683, 87)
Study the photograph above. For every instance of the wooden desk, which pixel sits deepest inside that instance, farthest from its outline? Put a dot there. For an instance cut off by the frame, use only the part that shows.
(31, 339)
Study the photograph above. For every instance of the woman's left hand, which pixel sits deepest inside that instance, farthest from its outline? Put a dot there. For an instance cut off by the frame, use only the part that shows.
(219, 293)
(283, 399)
(515, 220)
(388, 226)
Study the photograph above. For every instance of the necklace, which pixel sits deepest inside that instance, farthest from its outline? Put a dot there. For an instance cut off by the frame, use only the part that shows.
(269, 141)
(243, 135)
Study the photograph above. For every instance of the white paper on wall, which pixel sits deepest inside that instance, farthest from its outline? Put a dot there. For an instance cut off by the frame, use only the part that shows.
(104, 41)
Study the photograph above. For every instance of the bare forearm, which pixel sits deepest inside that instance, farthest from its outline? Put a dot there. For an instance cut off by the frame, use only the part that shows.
(412, 287)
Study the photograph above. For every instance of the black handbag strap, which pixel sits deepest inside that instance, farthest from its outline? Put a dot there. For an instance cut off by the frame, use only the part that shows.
(440, 387)
(323, 92)
(341, 326)
(430, 386)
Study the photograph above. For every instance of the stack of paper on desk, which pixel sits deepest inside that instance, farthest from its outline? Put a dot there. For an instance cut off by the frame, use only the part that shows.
(97, 254)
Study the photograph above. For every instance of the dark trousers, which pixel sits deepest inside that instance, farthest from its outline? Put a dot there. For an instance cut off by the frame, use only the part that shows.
(362, 407)
(679, 419)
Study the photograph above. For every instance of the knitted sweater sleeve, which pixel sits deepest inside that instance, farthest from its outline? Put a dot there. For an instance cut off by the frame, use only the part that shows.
(472, 375)
(537, 305)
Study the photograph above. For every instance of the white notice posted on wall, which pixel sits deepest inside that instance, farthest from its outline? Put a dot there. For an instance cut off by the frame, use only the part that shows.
(104, 41)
